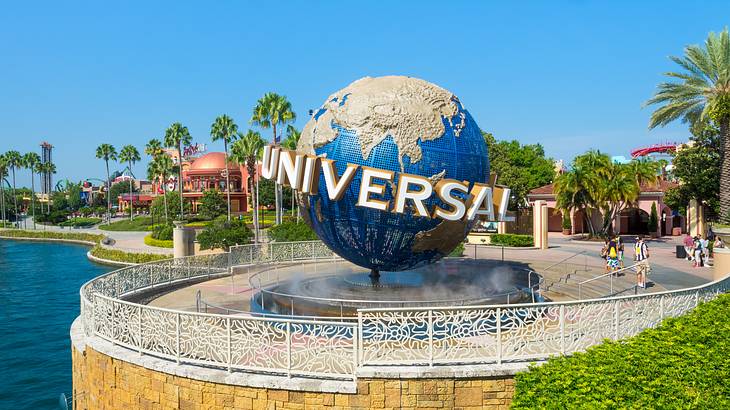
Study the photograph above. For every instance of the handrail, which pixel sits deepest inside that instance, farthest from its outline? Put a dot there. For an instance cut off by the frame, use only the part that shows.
(583, 252)
(603, 275)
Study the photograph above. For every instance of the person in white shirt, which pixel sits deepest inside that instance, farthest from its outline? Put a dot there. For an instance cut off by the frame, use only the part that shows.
(641, 254)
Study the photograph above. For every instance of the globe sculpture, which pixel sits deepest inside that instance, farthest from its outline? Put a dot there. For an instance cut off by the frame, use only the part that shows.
(400, 124)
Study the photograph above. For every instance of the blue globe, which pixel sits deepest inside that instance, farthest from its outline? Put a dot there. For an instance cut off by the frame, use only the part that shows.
(400, 124)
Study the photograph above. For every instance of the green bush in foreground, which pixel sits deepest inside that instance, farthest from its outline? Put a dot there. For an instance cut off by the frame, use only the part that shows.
(139, 223)
(683, 363)
(458, 251)
(292, 231)
(88, 237)
(160, 243)
(121, 256)
(221, 234)
(510, 239)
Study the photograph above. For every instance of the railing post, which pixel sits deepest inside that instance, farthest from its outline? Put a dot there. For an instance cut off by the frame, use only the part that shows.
(355, 350)
(661, 307)
(113, 321)
(230, 353)
(288, 349)
(230, 262)
(430, 337)
(499, 335)
(139, 329)
(291, 246)
(616, 319)
(177, 338)
(250, 254)
(562, 329)
(360, 346)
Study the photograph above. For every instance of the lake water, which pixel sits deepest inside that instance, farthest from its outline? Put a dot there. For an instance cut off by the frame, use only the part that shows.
(39, 298)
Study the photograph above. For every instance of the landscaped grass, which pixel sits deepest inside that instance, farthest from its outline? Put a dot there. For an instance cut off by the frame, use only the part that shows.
(121, 256)
(140, 223)
(17, 233)
(684, 363)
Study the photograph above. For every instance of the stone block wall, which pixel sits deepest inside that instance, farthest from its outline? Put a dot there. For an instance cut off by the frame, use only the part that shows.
(102, 382)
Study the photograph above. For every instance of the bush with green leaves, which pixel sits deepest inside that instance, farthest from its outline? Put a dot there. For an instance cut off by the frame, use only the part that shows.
(653, 219)
(222, 235)
(512, 240)
(212, 204)
(162, 232)
(458, 251)
(55, 217)
(80, 222)
(567, 224)
(160, 243)
(292, 231)
(683, 363)
(17, 233)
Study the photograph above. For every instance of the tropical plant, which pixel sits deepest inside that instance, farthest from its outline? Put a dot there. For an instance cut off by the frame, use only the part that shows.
(247, 150)
(653, 219)
(290, 143)
(701, 91)
(130, 155)
(14, 160)
(594, 182)
(292, 231)
(224, 234)
(270, 111)
(153, 148)
(160, 169)
(3, 174)
(107, 152)
(30, 162)
(223, 128)
(177, 136)
(212, 204)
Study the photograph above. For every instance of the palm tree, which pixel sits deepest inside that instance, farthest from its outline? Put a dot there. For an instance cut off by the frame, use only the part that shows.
(107, 152)
(130, 155)
(290, 143)
(225, 129)
(247, 150)
(14, 160)
(176, 136)
(31, 161)
(701, 90)
(270, 111)
(3, 174)
(161, 168)
(153, 148)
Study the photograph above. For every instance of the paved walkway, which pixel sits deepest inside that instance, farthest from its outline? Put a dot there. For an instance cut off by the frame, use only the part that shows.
(127, 241)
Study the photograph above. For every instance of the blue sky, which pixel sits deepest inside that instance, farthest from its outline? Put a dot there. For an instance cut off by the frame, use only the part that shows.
(569, 75)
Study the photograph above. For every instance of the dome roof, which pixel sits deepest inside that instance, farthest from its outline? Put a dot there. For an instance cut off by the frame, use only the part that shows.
(212, 161)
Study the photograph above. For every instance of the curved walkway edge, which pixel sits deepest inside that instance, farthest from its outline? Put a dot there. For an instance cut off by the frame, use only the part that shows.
(107, 261)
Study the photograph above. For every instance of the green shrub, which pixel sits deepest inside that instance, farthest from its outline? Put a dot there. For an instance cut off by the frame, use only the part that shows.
(162, 232)
(653, 224)
(683, 363)
(509, 239)
(221, 234)
(81, 222)
(292, 231)
(55, 217)
(88, 237)
(160, 243)
(121, 256)
(458, 251)
(567, 224)
(140, 223)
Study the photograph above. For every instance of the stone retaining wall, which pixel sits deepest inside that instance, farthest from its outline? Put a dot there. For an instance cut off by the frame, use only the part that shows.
(103, 382)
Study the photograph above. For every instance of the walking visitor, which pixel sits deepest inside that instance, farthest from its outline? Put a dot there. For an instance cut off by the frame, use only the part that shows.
(641, 252)
(718, 243)
(689, 247)
(612, 256)
(697, 251)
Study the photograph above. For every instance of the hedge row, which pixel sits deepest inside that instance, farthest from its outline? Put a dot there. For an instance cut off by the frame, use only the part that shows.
(88, 237)
(292, 231)
(510, 239)
(81, 222)
(683, 363)
(160, 243)
(121, 256)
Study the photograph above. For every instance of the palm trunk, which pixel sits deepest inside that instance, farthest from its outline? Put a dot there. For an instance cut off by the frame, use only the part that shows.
(256, 209)
(15, 198)
(32, 195)
(277, 188)
(228, 182)
(131, 200)
(254, 213)
(179, 179)
(164, 198)
(2, 197)
(725, 171)
(108, 196)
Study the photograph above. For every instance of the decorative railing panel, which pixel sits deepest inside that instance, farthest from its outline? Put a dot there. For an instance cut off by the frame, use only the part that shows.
(412, 336)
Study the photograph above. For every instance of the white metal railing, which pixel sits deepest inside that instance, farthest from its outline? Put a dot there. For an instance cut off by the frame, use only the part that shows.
(336, 349)
(610, 275)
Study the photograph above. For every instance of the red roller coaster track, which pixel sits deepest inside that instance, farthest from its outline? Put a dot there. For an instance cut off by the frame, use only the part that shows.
(666, 147)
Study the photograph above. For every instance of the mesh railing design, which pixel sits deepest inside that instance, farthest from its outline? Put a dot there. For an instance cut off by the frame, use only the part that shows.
(310, 347)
